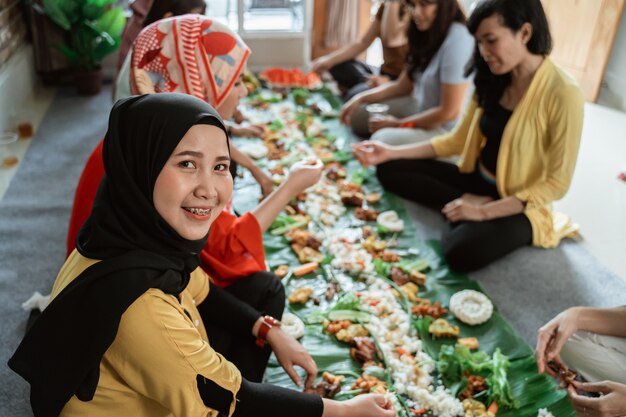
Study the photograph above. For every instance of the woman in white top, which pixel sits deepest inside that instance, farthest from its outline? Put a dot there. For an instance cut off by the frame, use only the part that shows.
(429, 94)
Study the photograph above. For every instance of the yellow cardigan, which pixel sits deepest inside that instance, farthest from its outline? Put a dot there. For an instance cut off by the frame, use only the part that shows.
(161, 346)
(538, 151)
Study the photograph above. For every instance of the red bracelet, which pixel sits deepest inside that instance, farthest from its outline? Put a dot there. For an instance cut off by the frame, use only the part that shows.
(410, 125)
(266, 324)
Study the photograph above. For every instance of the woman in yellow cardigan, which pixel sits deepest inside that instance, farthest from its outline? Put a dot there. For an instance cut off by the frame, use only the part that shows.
(518, 144)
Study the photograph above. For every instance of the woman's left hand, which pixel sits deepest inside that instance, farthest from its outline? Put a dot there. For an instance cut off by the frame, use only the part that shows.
(380, 122)
(610, 403)
(290, 352)
(460, 209)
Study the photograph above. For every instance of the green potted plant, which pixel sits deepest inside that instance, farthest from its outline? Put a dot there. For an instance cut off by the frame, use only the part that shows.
(93, 30)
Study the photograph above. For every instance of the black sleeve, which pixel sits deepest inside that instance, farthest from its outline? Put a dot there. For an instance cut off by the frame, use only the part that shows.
(225, 310)
(254, 400)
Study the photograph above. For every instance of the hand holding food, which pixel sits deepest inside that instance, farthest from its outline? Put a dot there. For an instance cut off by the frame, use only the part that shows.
(610, 403)
(290, 353)
(553, 335)
(304, 174)
(371, 153)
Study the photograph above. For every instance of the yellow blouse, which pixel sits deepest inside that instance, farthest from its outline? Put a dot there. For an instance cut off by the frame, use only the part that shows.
(150, 369)
(538, 151)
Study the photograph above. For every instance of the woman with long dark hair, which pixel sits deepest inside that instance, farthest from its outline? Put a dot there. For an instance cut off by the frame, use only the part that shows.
(517, 143)
(429, 94)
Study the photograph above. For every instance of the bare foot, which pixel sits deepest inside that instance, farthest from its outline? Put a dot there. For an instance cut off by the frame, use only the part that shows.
(478, 200)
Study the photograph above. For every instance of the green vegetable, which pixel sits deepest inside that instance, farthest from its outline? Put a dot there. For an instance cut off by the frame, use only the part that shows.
(376, 371)
(282, 220)
(358, 176)
(348, 301)
(276, 125)
(382, 268)
(340, 156)
(265, 98)
(288, 227)
(382, 230)
(457, 361)
(352, 315)
(416, 265)
(499, 388)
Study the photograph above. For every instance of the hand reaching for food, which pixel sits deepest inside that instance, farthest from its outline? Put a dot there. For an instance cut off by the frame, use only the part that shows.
(290, 353)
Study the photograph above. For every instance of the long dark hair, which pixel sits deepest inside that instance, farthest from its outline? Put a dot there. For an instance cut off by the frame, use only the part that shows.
(513, 14)
(175, 7)
(423, 45)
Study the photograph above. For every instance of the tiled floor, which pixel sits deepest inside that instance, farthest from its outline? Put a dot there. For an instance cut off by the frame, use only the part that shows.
(596, 200)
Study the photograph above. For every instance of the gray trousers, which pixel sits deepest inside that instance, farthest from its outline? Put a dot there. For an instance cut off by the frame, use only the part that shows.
(399, 107)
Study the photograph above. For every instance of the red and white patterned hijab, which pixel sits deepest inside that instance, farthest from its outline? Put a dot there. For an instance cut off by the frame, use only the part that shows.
(189, 54)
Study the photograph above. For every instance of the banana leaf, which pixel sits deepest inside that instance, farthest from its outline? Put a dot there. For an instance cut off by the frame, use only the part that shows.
(532, 390)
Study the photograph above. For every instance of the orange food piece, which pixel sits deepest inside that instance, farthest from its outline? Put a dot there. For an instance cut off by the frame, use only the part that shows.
(286, 77)
(305, 268)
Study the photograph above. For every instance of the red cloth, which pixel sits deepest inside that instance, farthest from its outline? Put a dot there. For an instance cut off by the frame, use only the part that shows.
(234, 248)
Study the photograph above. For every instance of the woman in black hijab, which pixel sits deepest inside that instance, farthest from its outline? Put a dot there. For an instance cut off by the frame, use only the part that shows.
(124, 334)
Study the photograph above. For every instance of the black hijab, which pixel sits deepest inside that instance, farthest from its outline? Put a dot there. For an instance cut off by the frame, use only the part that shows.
(60, 355)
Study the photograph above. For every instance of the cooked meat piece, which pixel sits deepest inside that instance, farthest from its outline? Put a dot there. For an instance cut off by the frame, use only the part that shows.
(469, 342)
(389, 256)
(399, 276)
(324, 389)
(336, 325)
(364, 349)
(425, 308)
(373, 198)
(351, 198)
(475, 384)
(442, 328)
(370, 383)
(565, 375)
(281, 271)
(367, 215)
(418, 278)
(300, 295)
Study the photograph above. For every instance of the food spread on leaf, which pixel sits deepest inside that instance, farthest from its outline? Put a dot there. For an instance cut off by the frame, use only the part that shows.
(355, 285)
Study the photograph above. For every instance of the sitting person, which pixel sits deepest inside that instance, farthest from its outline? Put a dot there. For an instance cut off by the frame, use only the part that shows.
(592, 341)
(353, 76)
(430, 92)
(234, 255)
(124, 333)
(518, 143)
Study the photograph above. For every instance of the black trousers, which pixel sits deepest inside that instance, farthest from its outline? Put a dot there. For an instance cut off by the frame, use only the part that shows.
(467, 245)
(263, 292)
(351, 77)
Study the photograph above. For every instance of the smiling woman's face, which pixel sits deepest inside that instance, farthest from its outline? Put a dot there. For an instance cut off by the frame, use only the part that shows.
(501, 48)
(423, 12)
(195, 184)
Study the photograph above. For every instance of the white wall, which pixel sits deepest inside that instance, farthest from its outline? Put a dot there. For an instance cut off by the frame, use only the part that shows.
(615, 76)
(17, 85)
